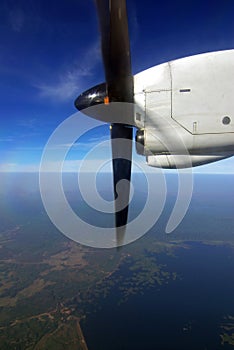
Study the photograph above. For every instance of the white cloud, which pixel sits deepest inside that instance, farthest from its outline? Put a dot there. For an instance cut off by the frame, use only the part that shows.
(70, 82)
(28, 123)
(6, 139)
(54, 166)
(62, 90)
(9, 167)
(92, 165)
(32, 148)
(16, 19)
(102, 142)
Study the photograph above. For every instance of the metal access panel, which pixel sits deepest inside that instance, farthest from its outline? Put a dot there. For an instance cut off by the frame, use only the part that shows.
(152, 89)
(157, 107)
(203, 92)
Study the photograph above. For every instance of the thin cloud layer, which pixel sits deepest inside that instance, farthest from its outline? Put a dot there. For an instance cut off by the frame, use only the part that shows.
(71, 82)
(16, 19)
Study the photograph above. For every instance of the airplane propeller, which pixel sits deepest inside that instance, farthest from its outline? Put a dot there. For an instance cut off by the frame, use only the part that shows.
(117, 65)
(116, 56)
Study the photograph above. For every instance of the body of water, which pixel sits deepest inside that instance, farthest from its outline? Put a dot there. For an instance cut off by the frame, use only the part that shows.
(184, 314)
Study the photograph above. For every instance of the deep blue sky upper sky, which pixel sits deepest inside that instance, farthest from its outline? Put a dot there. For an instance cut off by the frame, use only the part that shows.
(49, 53)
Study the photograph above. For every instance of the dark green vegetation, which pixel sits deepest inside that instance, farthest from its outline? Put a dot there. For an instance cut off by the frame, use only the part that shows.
(49, 284)
(227, 333)
(40, 291)
(45, 294)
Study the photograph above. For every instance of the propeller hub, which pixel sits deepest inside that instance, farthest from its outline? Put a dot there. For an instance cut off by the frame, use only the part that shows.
(91, 97)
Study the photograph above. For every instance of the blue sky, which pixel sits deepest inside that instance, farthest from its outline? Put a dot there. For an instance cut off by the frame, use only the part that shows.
(49, 53)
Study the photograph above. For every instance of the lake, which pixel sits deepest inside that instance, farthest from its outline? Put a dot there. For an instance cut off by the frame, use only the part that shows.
(186, 313)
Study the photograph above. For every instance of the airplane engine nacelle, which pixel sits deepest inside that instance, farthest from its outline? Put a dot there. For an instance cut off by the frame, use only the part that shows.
(170, 161)
(184, 107)
(148, 142)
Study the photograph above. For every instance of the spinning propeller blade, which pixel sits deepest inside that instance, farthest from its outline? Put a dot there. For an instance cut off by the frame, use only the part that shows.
(116, 49)
(113, 23)
(117, 65)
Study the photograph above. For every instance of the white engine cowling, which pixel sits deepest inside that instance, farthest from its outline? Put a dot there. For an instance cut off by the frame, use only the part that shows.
(170, 161)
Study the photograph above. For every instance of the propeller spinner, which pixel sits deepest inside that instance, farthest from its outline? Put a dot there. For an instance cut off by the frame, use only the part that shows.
(118, 88)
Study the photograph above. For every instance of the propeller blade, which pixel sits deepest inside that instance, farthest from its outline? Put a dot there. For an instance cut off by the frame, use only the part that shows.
(122, 162)
(119, 84)
(116, 49)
